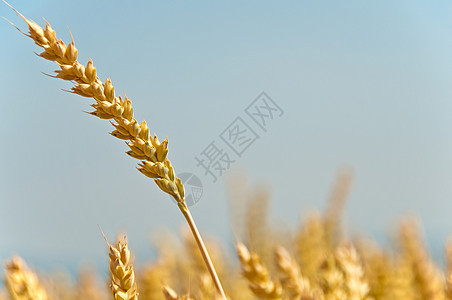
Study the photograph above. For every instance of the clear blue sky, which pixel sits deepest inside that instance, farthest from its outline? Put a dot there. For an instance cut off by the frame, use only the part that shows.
(362, 83)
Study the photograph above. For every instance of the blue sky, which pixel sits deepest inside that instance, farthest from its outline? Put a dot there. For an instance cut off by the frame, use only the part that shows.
(362, 84)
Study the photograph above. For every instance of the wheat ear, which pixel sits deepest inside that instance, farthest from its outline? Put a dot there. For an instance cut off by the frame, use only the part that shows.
(427, 277)
(21, 282)
(123, 283)
(257, 275)
(349, 261)
(152, 153)
(295, 285)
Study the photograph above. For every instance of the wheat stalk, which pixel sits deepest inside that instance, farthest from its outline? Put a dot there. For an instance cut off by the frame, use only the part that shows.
(152, 153)
(21, 282)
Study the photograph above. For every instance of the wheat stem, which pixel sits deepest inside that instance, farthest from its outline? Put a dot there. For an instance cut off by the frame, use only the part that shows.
(205, 255)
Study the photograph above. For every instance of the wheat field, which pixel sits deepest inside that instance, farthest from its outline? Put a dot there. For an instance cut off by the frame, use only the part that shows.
(317, 260)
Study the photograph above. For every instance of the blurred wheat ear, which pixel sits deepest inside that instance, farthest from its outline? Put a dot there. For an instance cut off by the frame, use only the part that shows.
(152, 153)
(21, 282)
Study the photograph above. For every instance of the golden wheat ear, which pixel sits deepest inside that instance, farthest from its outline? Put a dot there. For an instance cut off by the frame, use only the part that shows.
(152, 153)
(21, 282)
(123, 282)
(295, 285)
(257, 275)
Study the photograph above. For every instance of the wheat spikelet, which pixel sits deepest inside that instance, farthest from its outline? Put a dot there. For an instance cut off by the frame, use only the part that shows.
(332, 279)
(356, 285)
(257, 275)
(343, 275)
(294, 284)
(22, 283)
